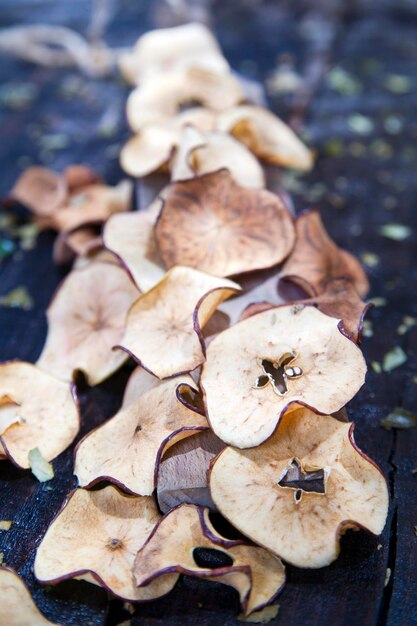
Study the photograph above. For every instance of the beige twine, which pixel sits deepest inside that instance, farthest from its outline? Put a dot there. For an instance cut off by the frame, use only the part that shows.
(58, 46)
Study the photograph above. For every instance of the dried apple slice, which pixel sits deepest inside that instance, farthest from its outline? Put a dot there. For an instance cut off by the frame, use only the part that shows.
(151, 148)
(36, 411)
(184, 535)
(114, 527)
(91, 204)
(80, 242)
(17, 607)
(219, 227)
(266, 136)
(78, 176)
(339, 300)
(143, 430)
(130, 236)
(205, 153)
(41, 190)
(86, 318)
(169, 318)
(166, 49)
(304, 488)
(160, 97)
(316, 259)
(256, 369)
(140, 382)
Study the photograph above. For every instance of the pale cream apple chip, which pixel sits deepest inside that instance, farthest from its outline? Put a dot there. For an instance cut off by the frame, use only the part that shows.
(166, 49)
(140, 382)
(204, 153)
(160, 97)
(151, 149)
(316, 260)
(266, 136)
(36, 411)
(304, 487)
(86, 318)
(130, 236)
(257, 368)
(127, 448)
(185, 541)
(95, 537)
(217, 226)
(17, 607)
(163, 328)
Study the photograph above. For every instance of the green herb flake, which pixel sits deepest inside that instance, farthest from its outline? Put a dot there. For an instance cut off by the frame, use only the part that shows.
(343, 82)
(5, 524)
(2, 558)
(407, 323)
(393, 359)
(360, 124)
(370, 259)
(396, 232)
(377, 368)
(28, 235)
(41, 469)
(399, 418)
(367, 330)
(18, 298)
(393, 124)
(333, 148)
(378, 301)
(18, 96)
(396, 83)
(263, 616)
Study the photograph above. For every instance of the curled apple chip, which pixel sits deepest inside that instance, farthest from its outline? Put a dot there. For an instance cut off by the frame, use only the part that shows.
(150, 149)
(41, 190)
(256, 369)
(304, 488)
(17, 607)
(86, 318)
(160, 97)
(82, 241)
(36, 411)
(91, 204)
(140, 382)
(266, 136)
(316, 259)
(184, 541)
(213, 224)
(340, 300)
(127, 448)
(114, 527)
(168, 319)
(167, 49)
(130, 236)
(209, 152)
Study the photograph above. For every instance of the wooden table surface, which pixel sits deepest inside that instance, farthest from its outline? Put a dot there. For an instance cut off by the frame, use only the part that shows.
(364, 128)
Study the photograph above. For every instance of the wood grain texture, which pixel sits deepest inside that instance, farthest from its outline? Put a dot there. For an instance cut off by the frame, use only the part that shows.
(360, 182)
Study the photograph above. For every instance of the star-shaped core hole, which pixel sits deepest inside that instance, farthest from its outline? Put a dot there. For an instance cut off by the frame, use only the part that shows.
(278, 372)
(303, 480)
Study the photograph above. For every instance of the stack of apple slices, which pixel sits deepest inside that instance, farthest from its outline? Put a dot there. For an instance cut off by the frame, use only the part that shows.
(237, 402)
